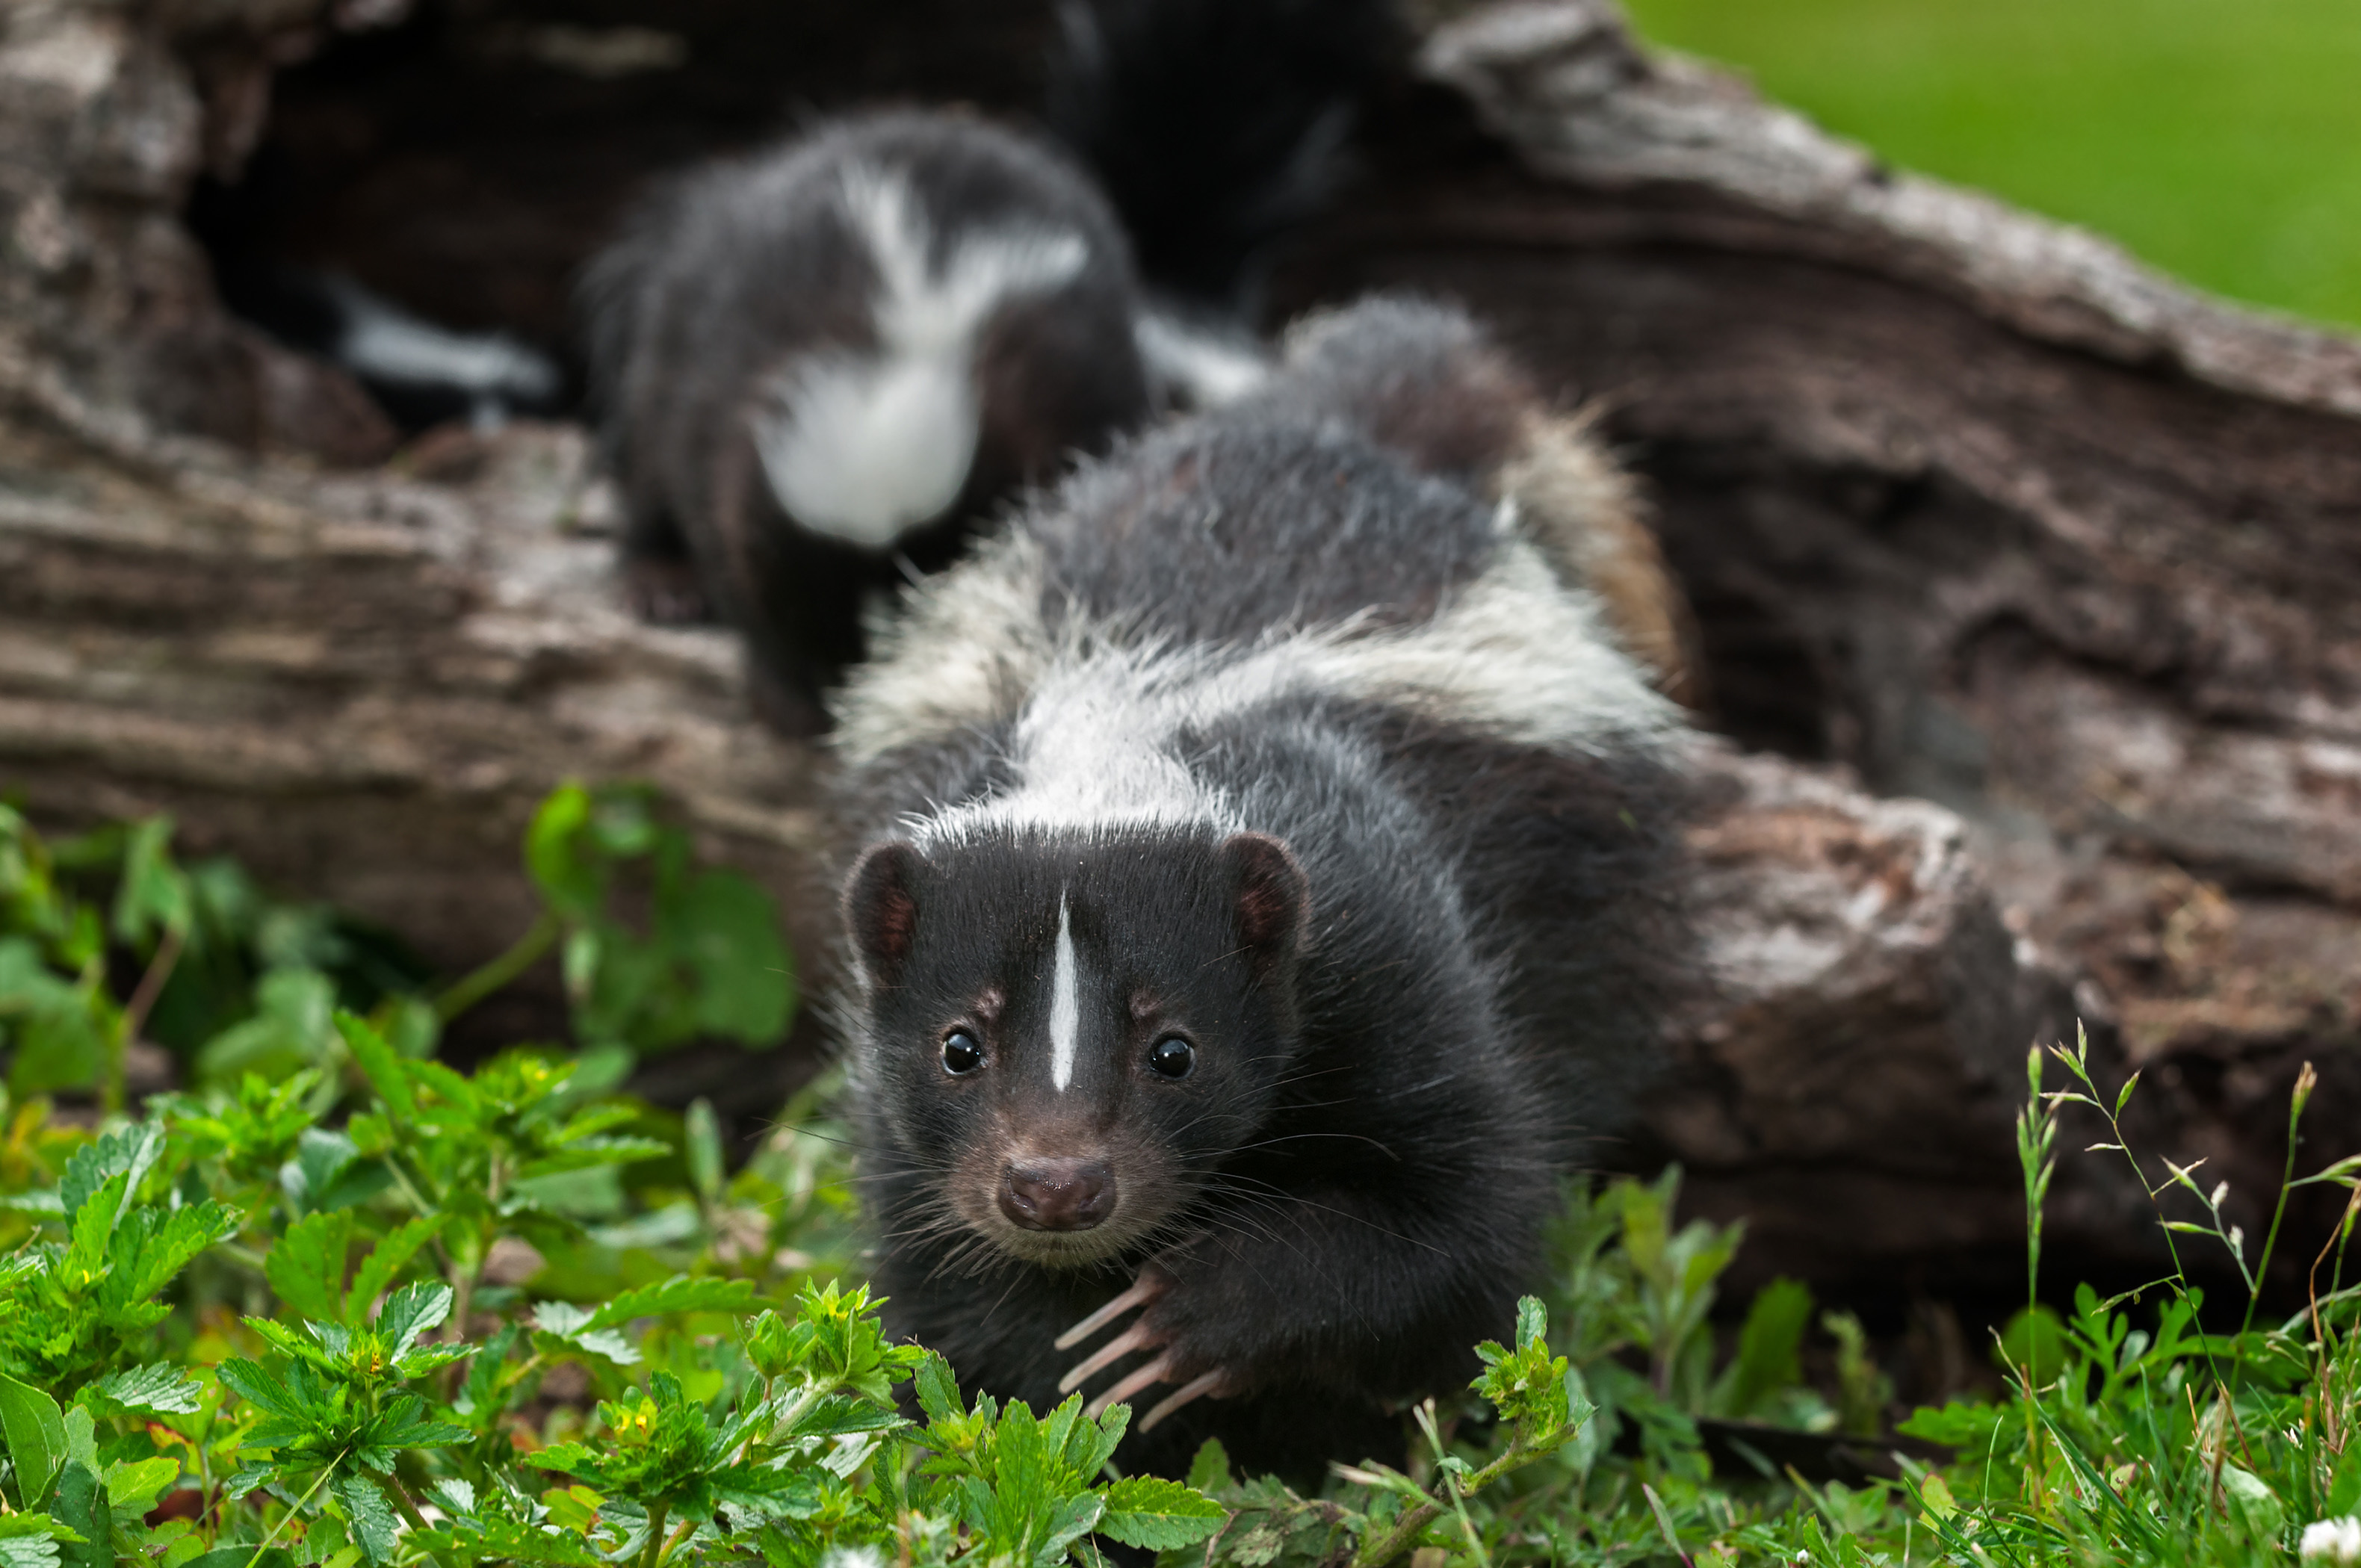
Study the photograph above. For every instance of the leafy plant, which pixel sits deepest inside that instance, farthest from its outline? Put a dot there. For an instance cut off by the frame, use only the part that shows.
(238, 982)
(377, 1310)
(708, 963)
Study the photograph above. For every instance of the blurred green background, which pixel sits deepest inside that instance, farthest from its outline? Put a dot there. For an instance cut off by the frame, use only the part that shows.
(2219, 139)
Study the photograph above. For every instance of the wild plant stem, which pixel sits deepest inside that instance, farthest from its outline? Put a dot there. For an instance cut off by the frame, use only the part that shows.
(653, 1553)
(2036, 1135)
(473, 988)
(2287, 1175)
(328, 1470)
(1406, 1530)
(400, 1496)
(115, 1090)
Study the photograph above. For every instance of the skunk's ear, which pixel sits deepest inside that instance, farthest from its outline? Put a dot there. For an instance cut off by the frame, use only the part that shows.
(1270, 897)
(881, 908)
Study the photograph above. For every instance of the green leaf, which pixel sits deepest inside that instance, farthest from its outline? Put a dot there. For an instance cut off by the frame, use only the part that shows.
(557, 857)
(1210, 1471)
(1533, 1322)
(411, 1311)
(939, 1390)
(377, 1271)
(28, 1550)
(80, 1504)
(185, 1232)
(2344, 1488)
(331, 1173)
(153, 892)
(292, 1029)
(379, 1063)
(371, 1516)
(243, 1557)
(155, 1390)
(1160, 1515)
(726, 930)
(134, 1484)
(1769, 1349)
(62, 1029)
(1075, 1518)
(290, 1416)
(306, 1264)
(570, 1324)
(82, 1437)
(681, 1293)
(498, 1540)
(2034, 1342)
(701, 1145)
(36, 1432)
(1086, 1446)
(128, 1152)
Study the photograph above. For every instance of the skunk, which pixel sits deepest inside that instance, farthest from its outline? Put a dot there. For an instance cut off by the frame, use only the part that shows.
(1267, 892)
(818, 367)
(420, 373)
(818, 363)
(1215, 127)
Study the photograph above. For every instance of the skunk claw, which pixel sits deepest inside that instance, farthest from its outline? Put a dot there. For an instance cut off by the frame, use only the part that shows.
(1211, 1383)
(1155, 1371)
(1137, 1337)
(1144, 1289)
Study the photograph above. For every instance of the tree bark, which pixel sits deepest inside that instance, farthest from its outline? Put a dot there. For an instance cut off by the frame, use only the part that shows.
(2028, 583)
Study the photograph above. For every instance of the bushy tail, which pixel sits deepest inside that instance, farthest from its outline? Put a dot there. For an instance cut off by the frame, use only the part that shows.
(1214, 125)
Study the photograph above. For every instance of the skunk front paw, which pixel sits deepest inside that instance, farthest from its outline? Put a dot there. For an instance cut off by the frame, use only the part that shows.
(1172, 1364)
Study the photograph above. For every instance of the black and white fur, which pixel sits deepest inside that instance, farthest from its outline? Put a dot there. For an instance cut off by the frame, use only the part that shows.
(817, 368)
(1272, 736)
(422, 373)
(816, 364)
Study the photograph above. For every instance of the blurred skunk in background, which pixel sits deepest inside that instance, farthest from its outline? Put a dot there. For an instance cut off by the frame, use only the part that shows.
(816, 365)
(420, 374)
(815, 368)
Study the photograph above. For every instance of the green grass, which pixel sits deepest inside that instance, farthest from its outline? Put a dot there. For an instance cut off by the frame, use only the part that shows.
(2219, 139)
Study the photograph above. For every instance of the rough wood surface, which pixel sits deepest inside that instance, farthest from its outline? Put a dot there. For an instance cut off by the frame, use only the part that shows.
(2028, 580)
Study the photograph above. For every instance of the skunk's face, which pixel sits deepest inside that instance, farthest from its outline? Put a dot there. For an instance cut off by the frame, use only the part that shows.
(1068, 1036)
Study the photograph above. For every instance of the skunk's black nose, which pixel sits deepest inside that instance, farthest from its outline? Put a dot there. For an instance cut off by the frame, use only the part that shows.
(1058, 1194)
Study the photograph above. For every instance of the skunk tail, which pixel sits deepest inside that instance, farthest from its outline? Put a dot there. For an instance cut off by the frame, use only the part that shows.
(1214, 125)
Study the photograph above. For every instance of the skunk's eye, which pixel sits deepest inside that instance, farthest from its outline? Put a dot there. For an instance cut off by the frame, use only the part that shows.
(1172, 1056)
(961, 1054)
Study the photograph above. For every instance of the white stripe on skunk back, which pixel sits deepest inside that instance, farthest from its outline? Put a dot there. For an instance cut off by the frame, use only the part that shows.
(862, 447)
(1517, 655)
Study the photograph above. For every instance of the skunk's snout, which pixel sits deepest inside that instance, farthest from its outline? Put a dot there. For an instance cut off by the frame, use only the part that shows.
(1056, 1194)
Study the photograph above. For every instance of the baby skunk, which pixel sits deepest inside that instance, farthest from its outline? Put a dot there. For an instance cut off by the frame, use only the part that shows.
(1267, 894)
(420, 373)
(818, 366)
(815, 367)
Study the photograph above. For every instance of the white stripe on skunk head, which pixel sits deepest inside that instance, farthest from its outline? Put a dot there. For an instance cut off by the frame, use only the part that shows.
(1065, 1004)
(862, 447)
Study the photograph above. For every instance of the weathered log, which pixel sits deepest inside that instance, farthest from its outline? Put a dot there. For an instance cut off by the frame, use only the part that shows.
(1971, 507)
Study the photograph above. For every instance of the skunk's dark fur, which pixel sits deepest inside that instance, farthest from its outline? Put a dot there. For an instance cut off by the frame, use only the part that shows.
(816, 364)
(1269, 734)
(1215, 125)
